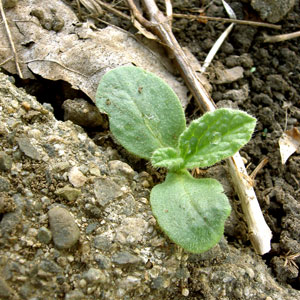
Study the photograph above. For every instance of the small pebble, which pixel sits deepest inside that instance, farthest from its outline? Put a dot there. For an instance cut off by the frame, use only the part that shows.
(69, 193)
(76, 177)
(44, 235)
(64, 229)
(5, 161)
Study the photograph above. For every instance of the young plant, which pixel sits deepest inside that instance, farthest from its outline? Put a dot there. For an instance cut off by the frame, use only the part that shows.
(146, 117)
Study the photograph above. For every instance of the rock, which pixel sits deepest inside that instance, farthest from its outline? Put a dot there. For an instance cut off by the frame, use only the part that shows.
(49, 266)
(102, 261)
(5, 161)
(9, 222)
(94, 275)
(228, 75)
(27, 148)
(4, 184)
(74, 295)
(6, 292)
(7, 204)
(64, 230)
(44, 235)
(131, 231)
(272, 10)
(124, 258)
(103, 242)
(82, 113)
(106, 190)
(69, 193)
(120, 168)
(76, 177)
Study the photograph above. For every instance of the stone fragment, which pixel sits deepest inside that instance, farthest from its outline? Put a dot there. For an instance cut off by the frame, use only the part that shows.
(82, 113)
(64, 230)
(7, 204)
(118, 167)
(228, 75)
(106, 190)
(6, 292)
(49, 266)
(131, 231)
(124, 258)
(102, 261)
(76, 177)
(74, 295)
(5, 161)
(27, 148)
(69, 193)
(61, 166)
(102, 241)
(4, 184)
(9, 222)
(272, 10)
(44, 235)
(94, 275)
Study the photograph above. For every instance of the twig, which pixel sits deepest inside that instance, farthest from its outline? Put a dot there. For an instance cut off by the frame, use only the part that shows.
(169, 11)
(12, 45)
(113, 10)
(260, 234)
(280, 37)
(258, 168)
(220, 40)
(215, 48)
(226, 20)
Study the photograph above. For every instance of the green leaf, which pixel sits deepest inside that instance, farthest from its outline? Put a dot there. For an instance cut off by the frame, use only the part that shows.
(215, 136)
(144, 112)
(168, 158)
(192, 212)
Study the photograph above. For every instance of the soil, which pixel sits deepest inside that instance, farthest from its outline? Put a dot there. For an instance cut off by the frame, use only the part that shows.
(231, 270)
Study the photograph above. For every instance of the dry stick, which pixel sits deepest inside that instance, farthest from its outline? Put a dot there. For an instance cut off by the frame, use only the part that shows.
(280, 37)
(12, 45)
(226, 20)
(259, 232)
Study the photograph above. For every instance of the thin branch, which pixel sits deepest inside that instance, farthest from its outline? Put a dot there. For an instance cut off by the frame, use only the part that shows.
(169, 11)
(12, 45)
(137, 14)
(280, 37)
(226, 20)
(113, 10)
(260, 234)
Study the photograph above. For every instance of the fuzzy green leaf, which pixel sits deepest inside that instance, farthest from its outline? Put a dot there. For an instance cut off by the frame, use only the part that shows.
(192, 212)
(144, 112)
(168, 158)
(215, 136)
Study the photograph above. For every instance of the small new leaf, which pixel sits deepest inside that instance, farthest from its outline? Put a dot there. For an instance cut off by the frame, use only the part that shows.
(168, 158)
(192, 212)
(215, 136)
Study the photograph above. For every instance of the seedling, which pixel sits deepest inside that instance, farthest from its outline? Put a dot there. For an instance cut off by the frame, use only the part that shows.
(146, 117)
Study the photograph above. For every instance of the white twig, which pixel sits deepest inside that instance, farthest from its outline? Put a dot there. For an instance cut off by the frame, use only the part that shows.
(280, 37)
